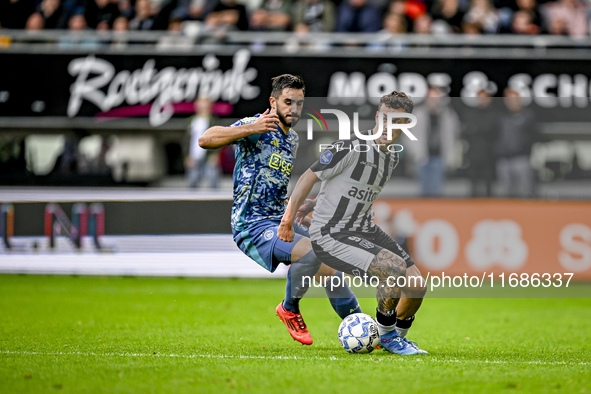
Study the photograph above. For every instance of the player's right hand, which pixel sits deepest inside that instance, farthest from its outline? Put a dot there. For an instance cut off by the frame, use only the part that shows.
(285, 232)
(266, 122)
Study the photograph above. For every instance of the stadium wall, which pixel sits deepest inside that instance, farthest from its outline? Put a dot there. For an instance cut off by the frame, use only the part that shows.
(108, 86)
(456, 237)
(139, 217)
(475, 236)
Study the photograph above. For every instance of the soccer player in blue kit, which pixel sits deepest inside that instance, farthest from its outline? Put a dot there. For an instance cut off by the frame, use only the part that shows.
(265, 152)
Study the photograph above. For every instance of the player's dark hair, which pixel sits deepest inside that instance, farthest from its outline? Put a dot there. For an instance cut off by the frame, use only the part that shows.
(396, 100)
(286, 81)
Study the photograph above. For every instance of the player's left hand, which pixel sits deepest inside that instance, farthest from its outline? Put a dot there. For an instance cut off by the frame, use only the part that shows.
(305, 209)
(285, 232)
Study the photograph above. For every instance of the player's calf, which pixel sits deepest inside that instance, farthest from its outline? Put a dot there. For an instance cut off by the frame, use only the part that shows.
(388, 268)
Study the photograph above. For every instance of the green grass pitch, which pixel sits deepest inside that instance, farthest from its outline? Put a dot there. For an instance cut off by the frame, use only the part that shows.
(112, 334)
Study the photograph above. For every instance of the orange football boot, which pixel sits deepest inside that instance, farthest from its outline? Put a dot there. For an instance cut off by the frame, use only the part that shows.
(295, 324)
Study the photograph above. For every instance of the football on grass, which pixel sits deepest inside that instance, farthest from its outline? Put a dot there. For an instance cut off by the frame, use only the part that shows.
(358, 333)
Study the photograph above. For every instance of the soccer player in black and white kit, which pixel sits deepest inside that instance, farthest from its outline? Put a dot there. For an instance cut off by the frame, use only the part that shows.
(344, 236)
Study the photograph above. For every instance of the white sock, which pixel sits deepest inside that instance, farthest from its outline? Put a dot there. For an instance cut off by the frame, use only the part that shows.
(402, 331)
(384, 329)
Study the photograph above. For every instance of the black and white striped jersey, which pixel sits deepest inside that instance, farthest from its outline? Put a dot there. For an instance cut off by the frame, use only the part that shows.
(353, 173)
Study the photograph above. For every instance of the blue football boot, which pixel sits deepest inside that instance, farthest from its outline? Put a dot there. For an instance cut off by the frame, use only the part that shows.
(393, 343)
(414, 344)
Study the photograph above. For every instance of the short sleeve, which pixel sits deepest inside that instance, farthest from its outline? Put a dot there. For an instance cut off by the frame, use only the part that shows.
(253, 138)
(335, 160)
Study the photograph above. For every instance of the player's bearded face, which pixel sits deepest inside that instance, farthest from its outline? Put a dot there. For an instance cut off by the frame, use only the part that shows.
(289, 106)
(286, 119)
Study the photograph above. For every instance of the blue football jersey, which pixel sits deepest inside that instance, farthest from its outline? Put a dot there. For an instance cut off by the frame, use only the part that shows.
(261, 175)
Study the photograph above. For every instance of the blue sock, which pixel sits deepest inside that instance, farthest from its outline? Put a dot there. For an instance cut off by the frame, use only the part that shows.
(296, 287)
(342, 299)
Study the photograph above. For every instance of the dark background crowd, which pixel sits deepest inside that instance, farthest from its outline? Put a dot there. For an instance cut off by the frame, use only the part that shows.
(559, 17)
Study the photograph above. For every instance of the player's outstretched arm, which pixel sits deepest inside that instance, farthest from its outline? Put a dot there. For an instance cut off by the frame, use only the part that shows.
(218, 136)
(300, 192)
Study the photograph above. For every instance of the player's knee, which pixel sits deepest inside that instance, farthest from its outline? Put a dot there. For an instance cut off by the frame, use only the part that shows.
(308, 264)
(325, 270)
(416, 284)
(395, 264)
(418, 290)
(387, 265)
(423, 289)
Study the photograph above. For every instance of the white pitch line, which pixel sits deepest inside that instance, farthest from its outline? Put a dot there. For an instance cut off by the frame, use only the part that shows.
(304, 358)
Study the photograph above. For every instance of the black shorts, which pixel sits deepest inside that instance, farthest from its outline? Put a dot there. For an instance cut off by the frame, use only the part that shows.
(353, 252)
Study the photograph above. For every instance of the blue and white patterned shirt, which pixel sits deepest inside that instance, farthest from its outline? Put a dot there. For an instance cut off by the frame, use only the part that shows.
(261, 175)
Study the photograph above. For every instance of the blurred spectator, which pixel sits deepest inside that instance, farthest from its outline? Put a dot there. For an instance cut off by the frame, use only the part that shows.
(517, 133)
(67, 162)
(557, 27)
(35, 22)
(144, 16)
(77, 24)
(314, 16)
(422, 25)
(572, 14)
(522, 23)
(101, 12)
(53, 15)
(174, 39)
(175, 25)
(358, 16)
(126, 9)
(200, 162)
(278, 14)
(399, 7)
(229, 15)
(414, 8)
(472, 28)
(121, 24)
(258, 20)
(449, 12)
(437, 132)
(394, 24)
(196, 10)
(481, 125)
(274, 15)
(482, 13)
(304, 39)
(100, 164)
(533, 7)
(120, 28)
(15, 13)
(162, 11)
(69, 8)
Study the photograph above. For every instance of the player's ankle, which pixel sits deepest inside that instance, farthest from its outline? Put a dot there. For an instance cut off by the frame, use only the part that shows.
(292, 306)
(386, 321)
(403, 325)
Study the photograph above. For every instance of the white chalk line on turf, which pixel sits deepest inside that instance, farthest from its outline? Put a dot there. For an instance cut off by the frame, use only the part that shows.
(295, 358)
